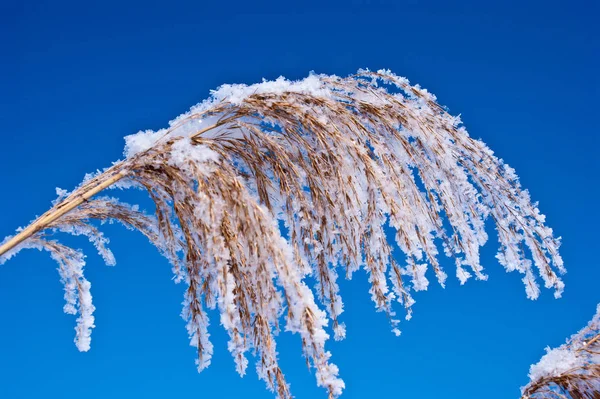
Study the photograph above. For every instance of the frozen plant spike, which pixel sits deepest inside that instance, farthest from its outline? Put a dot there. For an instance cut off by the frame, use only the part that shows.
(332, 159)
(570, 371)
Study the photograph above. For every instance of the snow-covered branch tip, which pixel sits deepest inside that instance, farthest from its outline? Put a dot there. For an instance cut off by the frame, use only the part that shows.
(332, 159)
(571, 371)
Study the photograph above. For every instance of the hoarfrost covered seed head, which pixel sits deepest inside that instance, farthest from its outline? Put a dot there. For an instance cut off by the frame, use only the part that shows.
(333, 160)
(571, 370)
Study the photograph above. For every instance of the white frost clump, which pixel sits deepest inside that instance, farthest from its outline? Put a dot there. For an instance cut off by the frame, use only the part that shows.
(192, 158)
(570, 369)
(237, 93)
(554, 363)
(141, 141)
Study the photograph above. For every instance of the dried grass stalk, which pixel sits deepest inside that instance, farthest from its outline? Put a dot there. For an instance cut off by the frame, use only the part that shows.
(332, 159)
(571, 371)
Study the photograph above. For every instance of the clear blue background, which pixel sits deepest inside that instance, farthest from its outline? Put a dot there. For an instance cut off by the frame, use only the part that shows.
(75, 77)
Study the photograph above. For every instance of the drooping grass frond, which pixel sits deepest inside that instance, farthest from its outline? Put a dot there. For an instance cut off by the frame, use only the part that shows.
(331, 161)
(571, 371)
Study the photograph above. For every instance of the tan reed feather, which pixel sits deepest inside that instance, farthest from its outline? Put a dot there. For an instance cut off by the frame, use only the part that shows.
(578, 381)
(335, 160)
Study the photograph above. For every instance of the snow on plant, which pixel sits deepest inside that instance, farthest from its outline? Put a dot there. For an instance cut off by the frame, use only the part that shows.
(571, 371)
(332, 159)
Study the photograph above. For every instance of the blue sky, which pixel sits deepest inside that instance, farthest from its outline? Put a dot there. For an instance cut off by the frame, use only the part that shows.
(77, 77)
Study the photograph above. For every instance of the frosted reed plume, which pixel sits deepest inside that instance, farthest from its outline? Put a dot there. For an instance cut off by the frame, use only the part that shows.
(333, 160)
(571, 371)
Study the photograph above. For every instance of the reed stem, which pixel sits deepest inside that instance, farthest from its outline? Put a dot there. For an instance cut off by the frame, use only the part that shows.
(78, 197)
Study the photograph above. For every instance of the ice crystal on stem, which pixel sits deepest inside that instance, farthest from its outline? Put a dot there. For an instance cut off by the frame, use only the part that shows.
(332, 159)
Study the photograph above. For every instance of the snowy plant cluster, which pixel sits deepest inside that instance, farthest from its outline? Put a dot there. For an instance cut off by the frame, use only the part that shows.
(71, 262)
(263, 188)
(570, 371)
